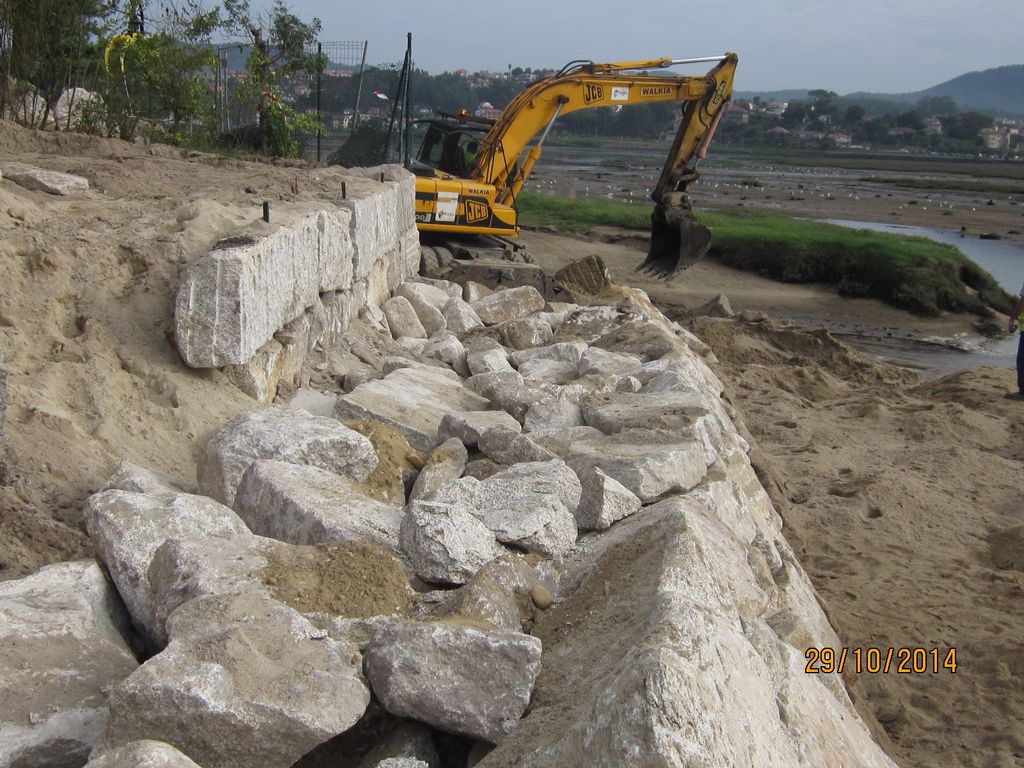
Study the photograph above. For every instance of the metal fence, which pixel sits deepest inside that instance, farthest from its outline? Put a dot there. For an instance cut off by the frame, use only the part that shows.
(332, 94)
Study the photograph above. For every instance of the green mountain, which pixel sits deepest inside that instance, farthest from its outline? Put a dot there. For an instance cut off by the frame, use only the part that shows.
(998, 91)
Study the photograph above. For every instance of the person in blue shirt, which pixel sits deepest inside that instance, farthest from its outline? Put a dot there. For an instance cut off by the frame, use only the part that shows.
(1016, 319)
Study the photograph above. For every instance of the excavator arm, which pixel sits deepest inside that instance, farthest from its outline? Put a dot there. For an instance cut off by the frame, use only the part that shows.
(587, 85)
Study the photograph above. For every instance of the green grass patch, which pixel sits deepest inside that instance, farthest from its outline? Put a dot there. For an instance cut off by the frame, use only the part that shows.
(913, 273)
(951, 184)
(582, 213)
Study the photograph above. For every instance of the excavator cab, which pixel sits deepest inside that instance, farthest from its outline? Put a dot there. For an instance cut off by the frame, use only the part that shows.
(449, 145)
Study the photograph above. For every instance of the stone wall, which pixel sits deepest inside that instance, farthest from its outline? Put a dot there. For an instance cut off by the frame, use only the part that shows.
(259, 303)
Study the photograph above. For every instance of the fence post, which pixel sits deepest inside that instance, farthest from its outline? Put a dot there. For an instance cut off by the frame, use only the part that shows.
(359, 88)
(407, 148)
(319, 88)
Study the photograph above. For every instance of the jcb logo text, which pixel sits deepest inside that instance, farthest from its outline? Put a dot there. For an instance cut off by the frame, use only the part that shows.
(475, 211)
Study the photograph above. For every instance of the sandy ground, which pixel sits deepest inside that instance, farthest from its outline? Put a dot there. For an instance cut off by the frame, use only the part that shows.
(86, 304)
(904, 499)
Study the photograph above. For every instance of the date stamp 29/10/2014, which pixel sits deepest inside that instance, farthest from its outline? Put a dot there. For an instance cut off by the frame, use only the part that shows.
(902, 661)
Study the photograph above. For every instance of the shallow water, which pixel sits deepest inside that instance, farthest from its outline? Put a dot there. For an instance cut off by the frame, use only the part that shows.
(1003, 260)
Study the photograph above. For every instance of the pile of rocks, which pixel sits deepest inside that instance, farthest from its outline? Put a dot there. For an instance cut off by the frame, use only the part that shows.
(582, 542)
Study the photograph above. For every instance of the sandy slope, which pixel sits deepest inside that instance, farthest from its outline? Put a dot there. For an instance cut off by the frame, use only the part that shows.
(893, 495)
(85, 305)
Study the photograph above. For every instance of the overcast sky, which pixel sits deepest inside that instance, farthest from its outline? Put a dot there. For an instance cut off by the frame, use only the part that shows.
(870, 45)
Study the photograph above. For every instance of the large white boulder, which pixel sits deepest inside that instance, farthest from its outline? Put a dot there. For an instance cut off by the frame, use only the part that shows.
(413, 400)
(468, 426)
(127, 528)
(508, 446)
(61, 649)
(402, 319)
(509, 304)
(460, 317)
(463, 680)
(528, 506)
(681, 615)
(446, 544)
(650, 463)
(52, 182)
(193, 565)
(446, 464)
(308, 505)
(604, 501)
(246, 681)
(281, 434)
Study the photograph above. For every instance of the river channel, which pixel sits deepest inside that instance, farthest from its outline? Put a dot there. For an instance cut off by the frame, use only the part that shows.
(1004, 261)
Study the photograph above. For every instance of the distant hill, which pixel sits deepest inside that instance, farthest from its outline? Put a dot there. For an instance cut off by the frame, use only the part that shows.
(997, 91)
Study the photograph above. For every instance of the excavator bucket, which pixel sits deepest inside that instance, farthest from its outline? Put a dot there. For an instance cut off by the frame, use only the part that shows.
(678, 240)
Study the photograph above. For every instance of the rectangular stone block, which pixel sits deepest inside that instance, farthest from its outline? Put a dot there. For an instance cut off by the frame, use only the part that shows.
(404, 185)
(413, 400)
(334, 254)
(233, 299)
(373, 227)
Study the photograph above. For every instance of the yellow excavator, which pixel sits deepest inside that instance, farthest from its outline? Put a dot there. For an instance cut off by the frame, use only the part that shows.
(469, 170)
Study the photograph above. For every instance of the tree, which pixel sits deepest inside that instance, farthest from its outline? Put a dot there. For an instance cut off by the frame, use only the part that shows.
(854, 115)
(51, 45)
(937, 105)
(795, 115)
(280, 47)
(910, 120)
(965, 126)
(160, 76)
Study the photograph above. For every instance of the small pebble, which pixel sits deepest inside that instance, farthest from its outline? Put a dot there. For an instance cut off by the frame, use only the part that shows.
(541, 596)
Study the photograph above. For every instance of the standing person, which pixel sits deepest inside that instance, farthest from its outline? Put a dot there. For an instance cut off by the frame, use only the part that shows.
(1014, 324)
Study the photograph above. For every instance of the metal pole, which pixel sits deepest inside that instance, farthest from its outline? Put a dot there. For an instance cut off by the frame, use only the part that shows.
(394, 115)
(319, 85)
(405, 160)
(699, 60)
(216, 94)
(359, 88)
